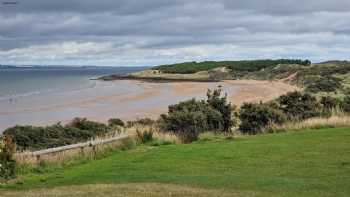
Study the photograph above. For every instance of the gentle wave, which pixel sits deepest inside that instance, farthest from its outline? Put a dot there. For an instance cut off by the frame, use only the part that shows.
(14, 97)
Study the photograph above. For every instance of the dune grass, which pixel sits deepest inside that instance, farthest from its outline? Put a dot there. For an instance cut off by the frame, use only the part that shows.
(312, 123)
(303, 163)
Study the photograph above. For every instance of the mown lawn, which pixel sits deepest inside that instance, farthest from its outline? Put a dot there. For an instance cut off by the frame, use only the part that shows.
(304, 163)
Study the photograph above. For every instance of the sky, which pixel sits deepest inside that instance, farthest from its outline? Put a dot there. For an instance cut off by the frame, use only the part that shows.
(152, 32)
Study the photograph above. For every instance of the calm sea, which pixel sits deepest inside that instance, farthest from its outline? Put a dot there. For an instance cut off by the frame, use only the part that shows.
(22, 82)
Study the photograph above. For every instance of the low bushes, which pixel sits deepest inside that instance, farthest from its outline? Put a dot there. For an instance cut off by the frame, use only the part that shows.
(190, 118)
(142, 121)
(291, 109)
(256, 117)
(34, 138)
(346, 104)
(329, 103)
(325, 84)
(115, 122)
(299, 106)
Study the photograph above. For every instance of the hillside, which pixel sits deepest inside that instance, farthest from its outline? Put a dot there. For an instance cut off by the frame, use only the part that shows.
(332, 77)
(303, 163)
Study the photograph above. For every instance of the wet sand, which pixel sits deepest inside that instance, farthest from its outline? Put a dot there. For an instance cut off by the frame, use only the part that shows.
(126, 100)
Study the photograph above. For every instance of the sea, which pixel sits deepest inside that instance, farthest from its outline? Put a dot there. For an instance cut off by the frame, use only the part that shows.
(45, 96)
(20, 83)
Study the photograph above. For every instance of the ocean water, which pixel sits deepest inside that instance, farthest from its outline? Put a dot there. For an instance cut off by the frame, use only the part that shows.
(46, 96)
(18, 83)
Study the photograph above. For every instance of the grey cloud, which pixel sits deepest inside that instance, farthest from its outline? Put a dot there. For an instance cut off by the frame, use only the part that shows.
(162, 30)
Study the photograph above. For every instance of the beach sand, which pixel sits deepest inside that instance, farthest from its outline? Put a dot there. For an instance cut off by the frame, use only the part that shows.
(127, 100)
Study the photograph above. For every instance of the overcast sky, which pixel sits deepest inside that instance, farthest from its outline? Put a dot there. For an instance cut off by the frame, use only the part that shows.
(148, 32)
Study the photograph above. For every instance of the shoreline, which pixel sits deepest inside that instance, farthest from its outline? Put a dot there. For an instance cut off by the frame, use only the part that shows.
(129, 100)
(152, 79)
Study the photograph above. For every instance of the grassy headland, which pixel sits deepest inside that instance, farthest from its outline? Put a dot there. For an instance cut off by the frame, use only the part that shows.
(303, 163)
(330, 77)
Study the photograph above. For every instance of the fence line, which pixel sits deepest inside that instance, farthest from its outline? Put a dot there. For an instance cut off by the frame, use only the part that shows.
(69, 151)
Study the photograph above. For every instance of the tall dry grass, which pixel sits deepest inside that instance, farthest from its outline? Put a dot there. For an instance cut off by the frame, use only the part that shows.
(96, 148)
(313, 123)
(157, 133)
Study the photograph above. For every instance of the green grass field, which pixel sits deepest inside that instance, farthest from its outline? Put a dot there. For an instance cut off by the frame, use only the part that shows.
(303, 163)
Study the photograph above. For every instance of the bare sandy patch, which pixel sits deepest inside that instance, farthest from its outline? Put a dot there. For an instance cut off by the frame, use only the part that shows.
(256, 91)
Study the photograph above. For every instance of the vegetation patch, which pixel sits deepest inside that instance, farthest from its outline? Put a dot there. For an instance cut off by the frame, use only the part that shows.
(292, 163)
(36, 138)
(242, 66)
(7, 163)
(190, 118)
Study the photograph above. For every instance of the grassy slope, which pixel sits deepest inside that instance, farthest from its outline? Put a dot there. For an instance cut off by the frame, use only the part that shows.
(309, 163)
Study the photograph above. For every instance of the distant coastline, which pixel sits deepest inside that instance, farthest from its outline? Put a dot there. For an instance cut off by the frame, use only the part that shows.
(152, 79)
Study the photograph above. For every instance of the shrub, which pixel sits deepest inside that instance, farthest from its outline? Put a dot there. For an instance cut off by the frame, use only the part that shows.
(142, 121)
(299, 106)
(325, 84)
(346, 104)
(7, 163)
(34, 138)
(329, 103)
(190, 118)
(115, 122)
(84, 124)
(256, 117)
(220, 104)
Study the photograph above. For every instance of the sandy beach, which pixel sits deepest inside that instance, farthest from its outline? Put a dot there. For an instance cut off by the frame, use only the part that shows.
(126, 100)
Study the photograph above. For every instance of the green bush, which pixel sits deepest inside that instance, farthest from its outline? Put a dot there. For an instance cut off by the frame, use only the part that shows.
(219, 103)
(325, 84)
(256, 117)
(329, 103)
(115, 122)
(34, 138)
(87, 125)
(299, 106)
(346, 104)
(190, 118)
